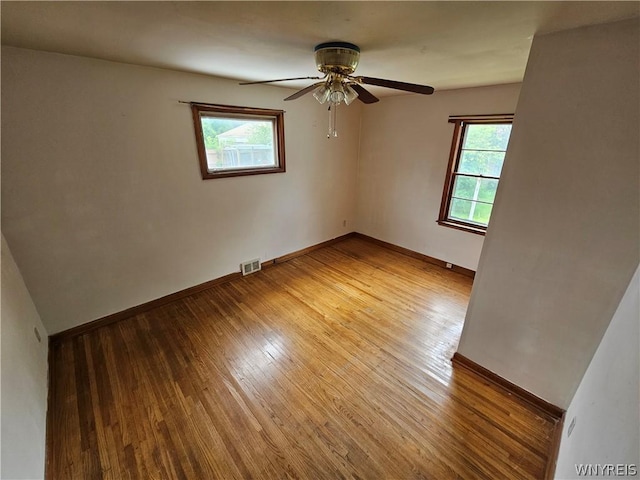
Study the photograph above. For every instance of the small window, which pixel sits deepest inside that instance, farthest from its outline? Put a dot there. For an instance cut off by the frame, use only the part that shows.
(236, 141)
(475, 163)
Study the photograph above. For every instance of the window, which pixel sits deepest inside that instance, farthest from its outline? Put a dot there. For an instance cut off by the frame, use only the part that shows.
(477, 154)
(236, 141)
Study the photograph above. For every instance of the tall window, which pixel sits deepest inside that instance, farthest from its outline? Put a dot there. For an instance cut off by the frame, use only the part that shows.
(475, 163)
(236, 141)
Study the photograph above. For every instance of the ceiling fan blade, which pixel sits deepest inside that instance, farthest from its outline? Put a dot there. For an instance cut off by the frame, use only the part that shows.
(363, 95)
(304, 91)
(280, 80)
(407, 87)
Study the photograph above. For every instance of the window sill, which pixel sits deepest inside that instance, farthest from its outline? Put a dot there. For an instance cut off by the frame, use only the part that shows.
(463, 226)
(240, 172)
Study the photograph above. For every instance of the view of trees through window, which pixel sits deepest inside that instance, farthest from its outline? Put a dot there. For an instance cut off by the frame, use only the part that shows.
(237, 142)
(476, 177)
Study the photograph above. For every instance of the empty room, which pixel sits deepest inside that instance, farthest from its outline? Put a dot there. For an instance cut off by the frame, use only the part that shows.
(320, 240)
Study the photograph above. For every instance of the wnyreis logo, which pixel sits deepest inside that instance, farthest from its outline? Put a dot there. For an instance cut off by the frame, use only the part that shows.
(607, 470)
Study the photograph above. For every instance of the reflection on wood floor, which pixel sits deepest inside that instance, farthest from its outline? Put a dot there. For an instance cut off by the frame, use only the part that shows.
(335, 364)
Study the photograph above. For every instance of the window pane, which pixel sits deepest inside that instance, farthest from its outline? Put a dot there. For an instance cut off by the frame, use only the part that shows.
(233, 143)
(488, 187)
(470, 211)
(475, 188)
(487, 136)
(464, 187)
(481, 163)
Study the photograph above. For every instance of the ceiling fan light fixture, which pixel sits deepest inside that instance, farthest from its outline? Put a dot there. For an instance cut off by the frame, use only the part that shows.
(349, 94)
(337, 91)
(322, 93)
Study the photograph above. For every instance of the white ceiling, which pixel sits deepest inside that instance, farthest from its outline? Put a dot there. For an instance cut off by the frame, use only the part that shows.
(442, 44)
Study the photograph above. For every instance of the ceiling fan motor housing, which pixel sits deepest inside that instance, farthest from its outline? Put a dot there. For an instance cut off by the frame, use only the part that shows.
(337, 57)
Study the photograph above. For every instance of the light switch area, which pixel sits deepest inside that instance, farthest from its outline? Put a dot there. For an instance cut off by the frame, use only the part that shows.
(37, 334)
(571, 426)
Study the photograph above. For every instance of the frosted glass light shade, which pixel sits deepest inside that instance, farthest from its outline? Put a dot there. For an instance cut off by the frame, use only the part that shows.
(349, 94)
(322, 93)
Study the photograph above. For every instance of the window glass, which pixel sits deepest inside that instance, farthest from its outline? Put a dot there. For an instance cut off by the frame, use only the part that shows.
(232, 144)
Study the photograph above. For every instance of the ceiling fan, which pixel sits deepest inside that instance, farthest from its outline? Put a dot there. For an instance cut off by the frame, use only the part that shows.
(338, 61)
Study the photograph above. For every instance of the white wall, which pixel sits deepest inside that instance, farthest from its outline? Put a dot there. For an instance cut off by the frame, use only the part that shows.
(605, 406)
(102, 200)
(404, 153)
(564, 234)
(23, 375)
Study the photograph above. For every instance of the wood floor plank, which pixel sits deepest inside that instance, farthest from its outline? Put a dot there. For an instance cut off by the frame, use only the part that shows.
(334, 364)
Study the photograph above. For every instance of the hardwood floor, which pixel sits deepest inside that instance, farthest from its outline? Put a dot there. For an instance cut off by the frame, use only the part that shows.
(332, 365)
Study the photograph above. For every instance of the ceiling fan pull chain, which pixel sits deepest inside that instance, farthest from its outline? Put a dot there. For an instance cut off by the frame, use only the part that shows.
(333, 121)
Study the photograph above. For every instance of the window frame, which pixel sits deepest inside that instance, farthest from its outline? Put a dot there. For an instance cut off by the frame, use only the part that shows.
(460, 124)
(235, 112)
